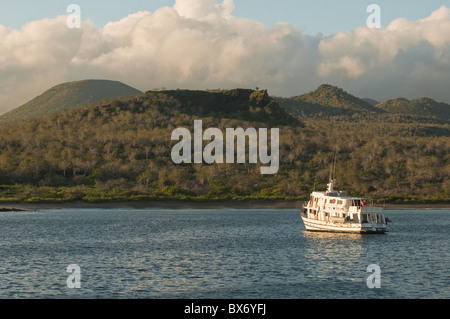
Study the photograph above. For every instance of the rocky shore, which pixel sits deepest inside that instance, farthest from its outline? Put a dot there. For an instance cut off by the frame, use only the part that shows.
(11, 209)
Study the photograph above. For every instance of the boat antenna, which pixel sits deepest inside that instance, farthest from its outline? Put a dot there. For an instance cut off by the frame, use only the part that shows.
(335, 161)
(332, 175)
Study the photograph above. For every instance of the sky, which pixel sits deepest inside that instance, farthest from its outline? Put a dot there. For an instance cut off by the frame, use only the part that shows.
(289, 47)
(311, 17)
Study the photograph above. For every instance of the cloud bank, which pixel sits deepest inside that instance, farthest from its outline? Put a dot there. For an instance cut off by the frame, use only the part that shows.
(199, 44)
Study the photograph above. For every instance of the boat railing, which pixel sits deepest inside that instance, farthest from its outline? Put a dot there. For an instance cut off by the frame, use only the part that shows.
(374, 202)
(354, 209)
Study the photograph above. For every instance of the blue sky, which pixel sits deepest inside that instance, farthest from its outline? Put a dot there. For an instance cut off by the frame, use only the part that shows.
(311, 17)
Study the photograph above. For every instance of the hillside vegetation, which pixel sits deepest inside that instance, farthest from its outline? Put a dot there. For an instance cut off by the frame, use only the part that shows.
(327, 100)
(120, 149)
(422, 107)
(332, 102)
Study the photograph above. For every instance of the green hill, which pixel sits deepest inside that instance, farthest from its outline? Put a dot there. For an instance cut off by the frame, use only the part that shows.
(422, 107)
(68, 95)
(326, 100)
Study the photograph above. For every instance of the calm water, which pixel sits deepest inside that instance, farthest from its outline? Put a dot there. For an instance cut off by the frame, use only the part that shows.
(260, 254)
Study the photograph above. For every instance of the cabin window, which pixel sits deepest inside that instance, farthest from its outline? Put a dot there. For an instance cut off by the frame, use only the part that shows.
(356, 202)
(339, 202)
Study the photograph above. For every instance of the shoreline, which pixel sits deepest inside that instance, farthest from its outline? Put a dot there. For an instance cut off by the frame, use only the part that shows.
(249, 204)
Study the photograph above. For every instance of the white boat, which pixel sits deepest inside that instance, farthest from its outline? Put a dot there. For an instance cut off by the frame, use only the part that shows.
(333, 211)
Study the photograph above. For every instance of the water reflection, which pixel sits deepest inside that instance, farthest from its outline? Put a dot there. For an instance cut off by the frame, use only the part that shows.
(218, 254)
(334, 256)
(320, 236)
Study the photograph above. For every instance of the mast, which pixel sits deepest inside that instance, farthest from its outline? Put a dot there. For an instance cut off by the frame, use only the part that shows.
(332, 175)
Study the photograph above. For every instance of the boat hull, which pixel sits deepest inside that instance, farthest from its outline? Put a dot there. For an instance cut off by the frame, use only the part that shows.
(321, 226)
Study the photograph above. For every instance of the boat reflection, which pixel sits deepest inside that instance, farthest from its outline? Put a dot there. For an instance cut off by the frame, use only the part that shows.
(309, 235)
(334, 256)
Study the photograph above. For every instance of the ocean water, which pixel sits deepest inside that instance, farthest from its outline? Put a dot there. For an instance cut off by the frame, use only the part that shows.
(218, 254)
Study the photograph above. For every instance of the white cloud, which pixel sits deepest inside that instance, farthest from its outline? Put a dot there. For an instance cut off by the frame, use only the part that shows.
(407, 58)
(200, 44)
(203, 9)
